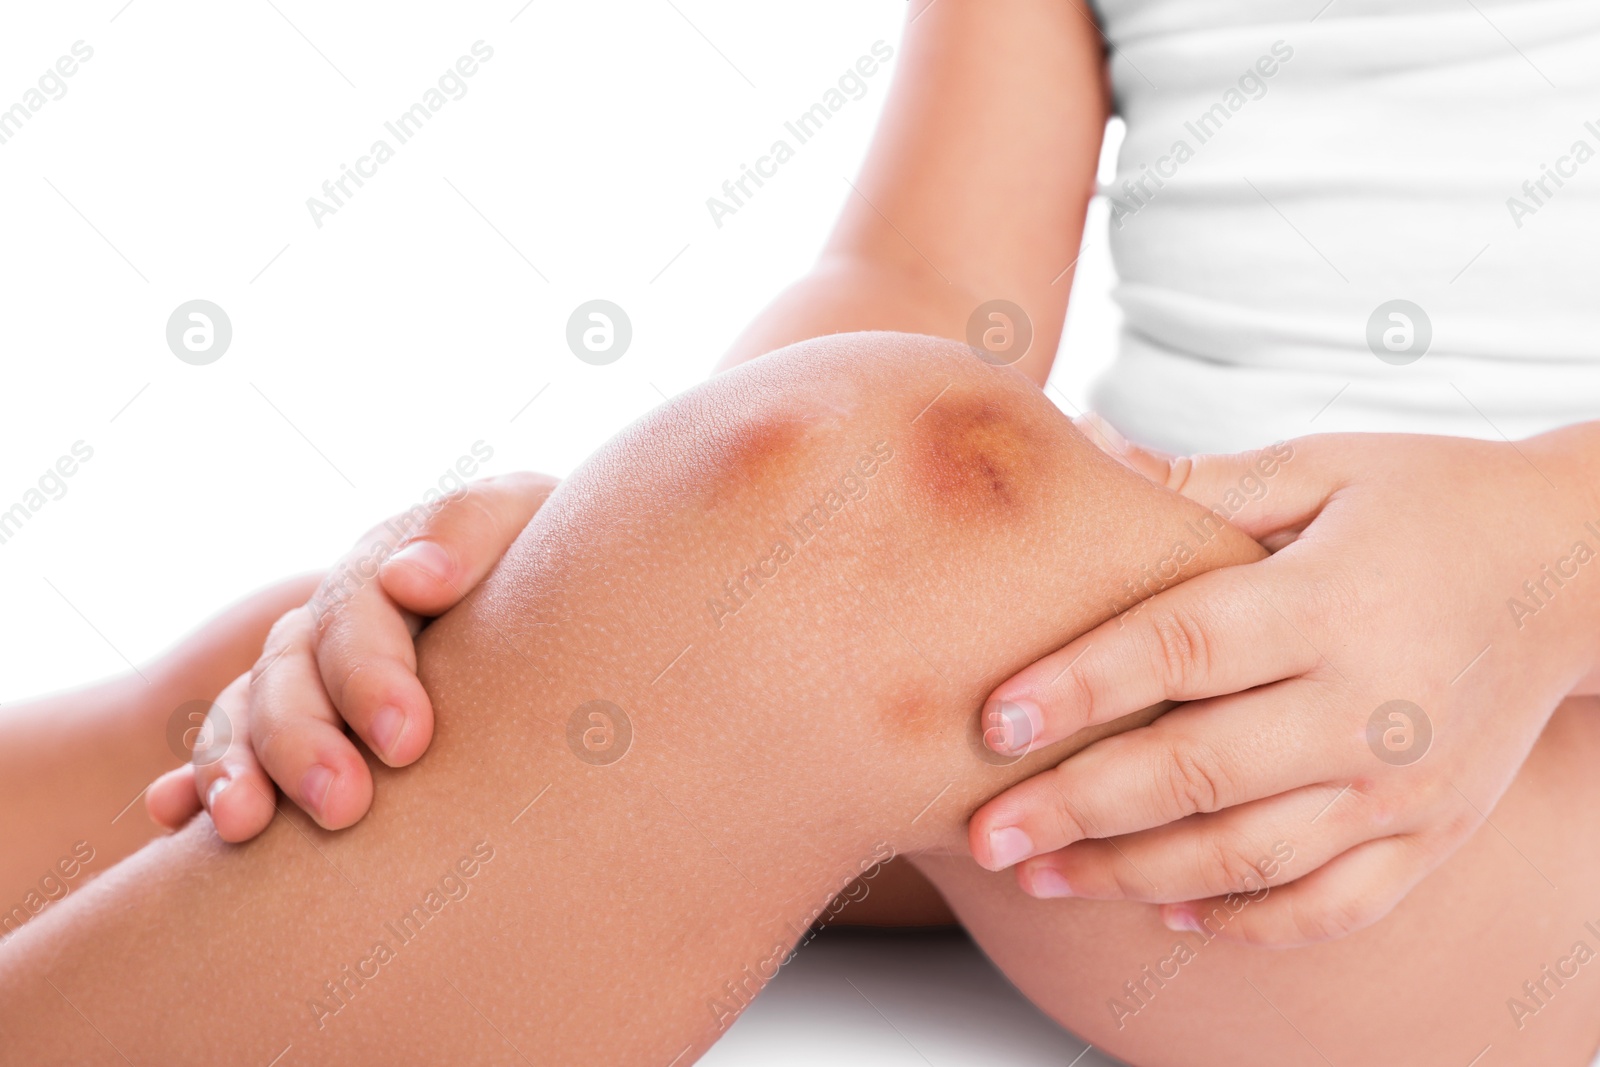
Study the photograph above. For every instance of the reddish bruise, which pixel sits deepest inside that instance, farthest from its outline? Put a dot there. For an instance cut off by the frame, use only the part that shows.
(917, 710)
(976, 456)
(754, 452)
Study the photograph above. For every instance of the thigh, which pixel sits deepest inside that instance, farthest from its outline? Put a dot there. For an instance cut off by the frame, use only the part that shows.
(1491, 952)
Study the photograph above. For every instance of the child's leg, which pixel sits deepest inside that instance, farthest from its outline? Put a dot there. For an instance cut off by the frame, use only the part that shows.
(73, 765)
(1482, 959)
(785, 644)
(781, 599)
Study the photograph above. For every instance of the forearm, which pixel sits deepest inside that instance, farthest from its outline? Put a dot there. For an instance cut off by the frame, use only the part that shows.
(846, 293)
(73, 764)
(974, 188)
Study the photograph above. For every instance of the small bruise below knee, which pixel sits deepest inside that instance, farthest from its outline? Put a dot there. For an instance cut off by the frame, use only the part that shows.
(915, 710)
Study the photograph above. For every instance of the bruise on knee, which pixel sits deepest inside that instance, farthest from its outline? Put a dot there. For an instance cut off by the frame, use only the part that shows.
(916, 710)
(978, 457)
(749, 452)
(766, 444)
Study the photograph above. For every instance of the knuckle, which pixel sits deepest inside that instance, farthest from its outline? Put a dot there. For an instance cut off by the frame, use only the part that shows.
(1228, 868)
(1126, 879)
(1396, 796)
(1194, 780)
(292, 630)
(1365, 806)
(285, 746)
(323, 620)
(1080, 685)
(1069, 824)
(269, 743)
(1181, 650)
(346, 683)
(287, 629)
(327, 608)
(1262, 934)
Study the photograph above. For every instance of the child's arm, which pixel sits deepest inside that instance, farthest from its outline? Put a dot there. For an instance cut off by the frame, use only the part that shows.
(73, 765)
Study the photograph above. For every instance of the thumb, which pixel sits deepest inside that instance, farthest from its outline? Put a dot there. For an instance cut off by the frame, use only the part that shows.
(1270, 493)
(1153, 464)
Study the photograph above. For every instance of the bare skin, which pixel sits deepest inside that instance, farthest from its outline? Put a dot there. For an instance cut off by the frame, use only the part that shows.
(975, 188)
(612, 910)
(74, 765)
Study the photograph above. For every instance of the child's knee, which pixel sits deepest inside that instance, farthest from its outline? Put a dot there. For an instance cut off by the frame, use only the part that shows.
(969, 444)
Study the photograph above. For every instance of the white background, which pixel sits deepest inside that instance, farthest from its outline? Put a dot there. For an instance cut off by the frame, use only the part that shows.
(370, 354)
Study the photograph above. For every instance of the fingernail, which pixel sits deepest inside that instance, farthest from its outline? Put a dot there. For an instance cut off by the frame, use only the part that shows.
(1179, 920)
(425, 556)
(387, 726)
(1008, 845)
(1014, 725)
(314, 787)
(214, 792)
(1047, 882)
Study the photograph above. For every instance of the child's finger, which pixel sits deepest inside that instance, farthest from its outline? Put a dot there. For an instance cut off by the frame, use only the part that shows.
(461, 541)
(171, 799)
(227, 776)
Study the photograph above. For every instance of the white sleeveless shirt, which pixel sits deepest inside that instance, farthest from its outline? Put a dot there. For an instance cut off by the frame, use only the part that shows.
(1293, 168)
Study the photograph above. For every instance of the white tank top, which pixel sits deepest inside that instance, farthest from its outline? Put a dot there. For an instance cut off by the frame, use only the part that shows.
(1292, 168)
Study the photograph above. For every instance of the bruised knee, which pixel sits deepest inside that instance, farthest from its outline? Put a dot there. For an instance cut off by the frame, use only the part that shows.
(979, 456)
(971, 443)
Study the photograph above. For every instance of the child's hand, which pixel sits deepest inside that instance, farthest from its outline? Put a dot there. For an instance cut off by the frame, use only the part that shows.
(347, 657)
(1429, 597)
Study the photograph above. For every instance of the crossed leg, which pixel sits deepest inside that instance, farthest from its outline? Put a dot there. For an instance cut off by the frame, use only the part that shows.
(733, 662)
